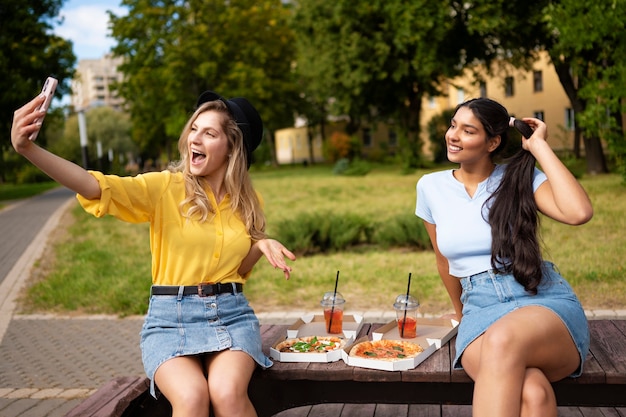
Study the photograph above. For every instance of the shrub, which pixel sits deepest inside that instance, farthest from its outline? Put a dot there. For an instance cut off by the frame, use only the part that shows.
(404, 230)
(339, 146)
(323, 232)
(356, 168)
(311, 233)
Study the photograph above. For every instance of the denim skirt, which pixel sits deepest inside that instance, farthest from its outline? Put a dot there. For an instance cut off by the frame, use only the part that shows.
(180, 325)
(487, 296)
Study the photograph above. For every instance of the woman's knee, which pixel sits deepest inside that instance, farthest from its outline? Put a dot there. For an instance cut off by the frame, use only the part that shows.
(227, 396)
(192, 399)
(538, 397)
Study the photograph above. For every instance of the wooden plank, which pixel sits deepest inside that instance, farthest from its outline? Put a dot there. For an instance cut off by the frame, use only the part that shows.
(358, 410)
(389, 410)
(592, 372)
(371, 375)
(326, 410)
(332, 371)
(456, 411)
(595, 412)
(303, 411)
(424, 410)
(436, 368)
(112, 399)
(608, 344)
(456, 375)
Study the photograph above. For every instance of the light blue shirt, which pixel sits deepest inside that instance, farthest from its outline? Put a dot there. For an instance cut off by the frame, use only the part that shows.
(463, 233)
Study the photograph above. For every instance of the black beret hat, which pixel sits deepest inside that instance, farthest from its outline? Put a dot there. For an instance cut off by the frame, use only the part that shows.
(246, 116)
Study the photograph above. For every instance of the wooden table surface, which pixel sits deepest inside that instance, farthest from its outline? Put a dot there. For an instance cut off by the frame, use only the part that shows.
(433, 381)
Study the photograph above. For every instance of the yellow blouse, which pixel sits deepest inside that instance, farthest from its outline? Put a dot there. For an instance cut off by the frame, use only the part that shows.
(184, 251)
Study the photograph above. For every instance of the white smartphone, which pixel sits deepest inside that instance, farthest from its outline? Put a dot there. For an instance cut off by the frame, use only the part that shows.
(49, 87)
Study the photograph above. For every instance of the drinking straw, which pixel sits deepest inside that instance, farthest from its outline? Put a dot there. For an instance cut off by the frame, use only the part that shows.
(408, 287)
(332, 309)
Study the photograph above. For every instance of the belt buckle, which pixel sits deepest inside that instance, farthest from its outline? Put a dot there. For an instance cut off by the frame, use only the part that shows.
(202, 293)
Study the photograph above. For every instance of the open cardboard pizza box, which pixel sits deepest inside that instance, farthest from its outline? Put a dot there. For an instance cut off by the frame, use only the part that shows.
(314, 325)
(431, 335)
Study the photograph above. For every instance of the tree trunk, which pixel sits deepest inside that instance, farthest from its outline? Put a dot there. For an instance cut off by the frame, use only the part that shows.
(594, 154)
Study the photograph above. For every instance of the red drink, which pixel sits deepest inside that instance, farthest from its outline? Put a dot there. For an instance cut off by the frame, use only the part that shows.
(410, 327)
(334, 326)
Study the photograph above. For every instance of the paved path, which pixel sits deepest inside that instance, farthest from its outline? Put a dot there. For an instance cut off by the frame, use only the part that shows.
(50, 363)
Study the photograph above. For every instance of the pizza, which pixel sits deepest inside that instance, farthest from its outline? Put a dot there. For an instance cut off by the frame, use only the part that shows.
(386, 350)
(311, 344)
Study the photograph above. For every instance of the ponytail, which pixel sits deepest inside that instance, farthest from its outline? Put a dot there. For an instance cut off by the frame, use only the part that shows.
(514, 219)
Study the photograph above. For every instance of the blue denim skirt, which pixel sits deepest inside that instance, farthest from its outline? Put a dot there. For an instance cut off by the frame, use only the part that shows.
(488, 296)
(180, 325)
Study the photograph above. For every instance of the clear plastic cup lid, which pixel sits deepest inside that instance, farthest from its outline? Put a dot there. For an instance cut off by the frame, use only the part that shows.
(406, 303)
(331, 298)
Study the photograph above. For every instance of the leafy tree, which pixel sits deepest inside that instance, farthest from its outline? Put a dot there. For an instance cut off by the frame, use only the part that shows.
(591, 44)
(378, 59)
(175, 49)
(578, 36)
(29, 52)
(105, 125)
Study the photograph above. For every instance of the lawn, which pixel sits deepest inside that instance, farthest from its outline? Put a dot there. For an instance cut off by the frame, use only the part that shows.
(103, 265)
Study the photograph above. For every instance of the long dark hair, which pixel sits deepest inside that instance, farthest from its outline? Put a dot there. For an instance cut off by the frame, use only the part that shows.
(512, 208)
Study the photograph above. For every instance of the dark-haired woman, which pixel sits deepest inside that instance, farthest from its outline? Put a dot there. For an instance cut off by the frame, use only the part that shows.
(521, 326)
(201, 340)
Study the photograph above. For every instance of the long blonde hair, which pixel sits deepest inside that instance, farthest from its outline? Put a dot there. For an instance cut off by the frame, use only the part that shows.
(243, 198)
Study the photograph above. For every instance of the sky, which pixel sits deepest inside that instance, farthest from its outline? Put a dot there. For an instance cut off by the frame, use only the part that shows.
(86, 25)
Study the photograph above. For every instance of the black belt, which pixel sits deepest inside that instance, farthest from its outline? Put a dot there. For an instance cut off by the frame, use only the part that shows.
(203, 290)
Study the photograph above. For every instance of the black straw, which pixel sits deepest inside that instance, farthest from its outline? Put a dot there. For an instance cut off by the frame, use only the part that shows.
(408, 288)
(332, 309)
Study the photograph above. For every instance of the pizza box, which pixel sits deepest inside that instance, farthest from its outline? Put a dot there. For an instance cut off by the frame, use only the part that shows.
(332, 356)
(434, 331)
(431, 335)
(315, 325)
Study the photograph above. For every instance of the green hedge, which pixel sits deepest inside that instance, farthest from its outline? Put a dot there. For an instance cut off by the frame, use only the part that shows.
(311, 233)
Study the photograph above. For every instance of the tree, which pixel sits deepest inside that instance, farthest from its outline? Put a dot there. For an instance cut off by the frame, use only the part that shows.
(377, 60)
(174, 49)
(578, 36)
(108, 126)
(29, 52)
(590, 45)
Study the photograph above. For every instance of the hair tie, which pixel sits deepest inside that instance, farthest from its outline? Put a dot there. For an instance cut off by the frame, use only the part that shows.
(512, 122)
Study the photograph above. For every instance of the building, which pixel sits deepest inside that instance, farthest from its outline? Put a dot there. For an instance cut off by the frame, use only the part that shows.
(535, 93)
(91, 86)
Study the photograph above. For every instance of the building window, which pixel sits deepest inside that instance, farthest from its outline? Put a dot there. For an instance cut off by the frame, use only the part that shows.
(537, 81)
(570, 119)
(367, 137)
(508, 87)
(483, 89)
(538, 115)
(393, 138)
(460, 95)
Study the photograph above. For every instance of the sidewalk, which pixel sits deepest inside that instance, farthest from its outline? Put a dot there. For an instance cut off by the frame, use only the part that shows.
(51, 363)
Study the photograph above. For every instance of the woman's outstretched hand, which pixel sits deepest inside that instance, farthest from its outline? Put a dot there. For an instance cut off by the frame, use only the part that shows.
(276, 252)
(24, 124)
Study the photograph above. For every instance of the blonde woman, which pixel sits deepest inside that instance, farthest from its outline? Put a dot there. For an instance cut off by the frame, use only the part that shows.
(200, 340)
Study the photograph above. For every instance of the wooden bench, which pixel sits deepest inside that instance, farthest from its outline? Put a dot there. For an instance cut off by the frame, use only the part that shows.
(432, 387)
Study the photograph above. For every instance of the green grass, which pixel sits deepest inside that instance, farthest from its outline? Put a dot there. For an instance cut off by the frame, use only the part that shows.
(103, 265)
(10, 192)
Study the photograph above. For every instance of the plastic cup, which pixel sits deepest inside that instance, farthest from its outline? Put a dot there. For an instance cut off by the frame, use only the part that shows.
(406, 313)
(333, 305)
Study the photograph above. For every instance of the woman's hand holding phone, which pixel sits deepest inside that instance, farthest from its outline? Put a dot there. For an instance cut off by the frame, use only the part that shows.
(49, 87)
